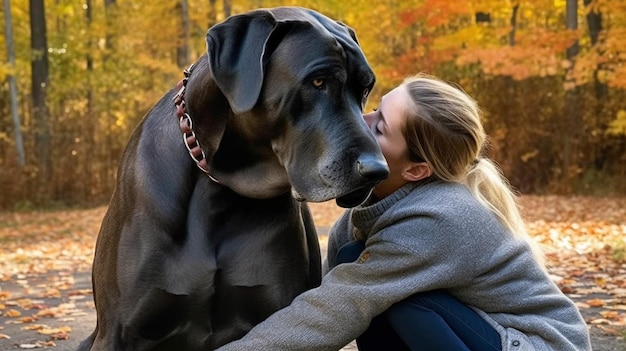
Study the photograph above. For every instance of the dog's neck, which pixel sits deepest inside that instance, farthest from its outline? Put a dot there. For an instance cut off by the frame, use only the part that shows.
(186, 126)
(215, 139)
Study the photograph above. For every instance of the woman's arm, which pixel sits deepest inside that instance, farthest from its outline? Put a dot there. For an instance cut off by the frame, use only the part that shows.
(351, 295)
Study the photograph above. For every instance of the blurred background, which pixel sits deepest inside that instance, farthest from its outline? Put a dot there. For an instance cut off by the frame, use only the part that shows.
(78, 75)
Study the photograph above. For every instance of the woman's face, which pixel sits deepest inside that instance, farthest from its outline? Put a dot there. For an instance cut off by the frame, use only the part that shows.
(387, 122)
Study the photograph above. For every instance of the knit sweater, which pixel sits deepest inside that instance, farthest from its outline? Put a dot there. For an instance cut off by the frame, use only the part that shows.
(426, 236)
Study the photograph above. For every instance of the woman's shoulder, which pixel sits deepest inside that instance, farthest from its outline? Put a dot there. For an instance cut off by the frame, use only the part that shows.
(444, 189)
(444, 202)
(438, 194)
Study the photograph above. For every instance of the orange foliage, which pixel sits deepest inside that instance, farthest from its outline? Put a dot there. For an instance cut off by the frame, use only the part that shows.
(434, 13)
(541, 40)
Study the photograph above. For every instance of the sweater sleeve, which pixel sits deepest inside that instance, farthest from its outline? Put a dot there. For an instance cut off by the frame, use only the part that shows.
(332, 315)
(397, 262)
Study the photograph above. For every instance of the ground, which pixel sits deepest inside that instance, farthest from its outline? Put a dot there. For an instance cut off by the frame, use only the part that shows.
(45, 261)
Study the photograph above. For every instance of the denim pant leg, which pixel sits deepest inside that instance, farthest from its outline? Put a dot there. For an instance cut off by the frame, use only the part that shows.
(350, 252)
(435, 320)
(425, 321)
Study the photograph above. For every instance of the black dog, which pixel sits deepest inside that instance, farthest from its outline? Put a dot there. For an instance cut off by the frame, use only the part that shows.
(186, 261)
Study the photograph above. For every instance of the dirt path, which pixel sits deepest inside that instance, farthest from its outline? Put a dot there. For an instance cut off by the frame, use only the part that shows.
(57, 309)
(45, 258)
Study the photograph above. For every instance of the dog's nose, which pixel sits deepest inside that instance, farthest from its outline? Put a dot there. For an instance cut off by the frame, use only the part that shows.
(372, 168)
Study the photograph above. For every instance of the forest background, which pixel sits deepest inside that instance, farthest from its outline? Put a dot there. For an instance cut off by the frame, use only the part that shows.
(550, 76)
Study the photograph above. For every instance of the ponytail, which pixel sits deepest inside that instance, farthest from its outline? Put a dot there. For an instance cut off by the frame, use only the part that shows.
(444, 129)
(489, 186)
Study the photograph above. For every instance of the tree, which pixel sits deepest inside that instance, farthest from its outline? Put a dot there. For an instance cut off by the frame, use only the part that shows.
(551, 117)
(19, 142)
(572, 109)
(594, 24)
(227, 8)
(513, 22)
(182, 49)
(39, 65)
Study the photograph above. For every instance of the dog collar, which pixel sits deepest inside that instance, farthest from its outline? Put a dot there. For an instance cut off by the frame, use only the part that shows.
(186, 126)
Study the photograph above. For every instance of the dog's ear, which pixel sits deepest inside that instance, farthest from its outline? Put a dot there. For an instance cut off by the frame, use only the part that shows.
(350, 31)
(236, 50)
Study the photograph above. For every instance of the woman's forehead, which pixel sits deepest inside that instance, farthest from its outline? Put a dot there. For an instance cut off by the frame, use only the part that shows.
(397, 98)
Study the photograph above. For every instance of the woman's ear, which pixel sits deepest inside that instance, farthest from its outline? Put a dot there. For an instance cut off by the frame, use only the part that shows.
(417, 171)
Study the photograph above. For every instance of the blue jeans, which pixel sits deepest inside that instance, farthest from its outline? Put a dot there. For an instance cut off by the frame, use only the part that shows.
(432, 320)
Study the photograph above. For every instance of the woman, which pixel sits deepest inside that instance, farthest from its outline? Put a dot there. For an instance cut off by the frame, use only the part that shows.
(438, 258)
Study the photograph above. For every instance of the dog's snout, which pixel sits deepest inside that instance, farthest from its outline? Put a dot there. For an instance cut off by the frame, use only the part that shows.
(372, 168)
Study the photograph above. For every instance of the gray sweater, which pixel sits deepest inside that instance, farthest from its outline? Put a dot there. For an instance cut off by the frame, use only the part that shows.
(426, 236)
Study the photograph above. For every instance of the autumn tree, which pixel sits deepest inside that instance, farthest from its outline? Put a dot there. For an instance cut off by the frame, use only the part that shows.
(182, 50)
(17, 125)
(39, 64)
(572, 108)
(110, 61)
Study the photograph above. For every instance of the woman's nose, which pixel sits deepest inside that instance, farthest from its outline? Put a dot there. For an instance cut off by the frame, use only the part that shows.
(369, 120)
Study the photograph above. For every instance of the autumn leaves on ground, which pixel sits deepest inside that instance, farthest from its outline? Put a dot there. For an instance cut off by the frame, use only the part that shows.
(43, 254)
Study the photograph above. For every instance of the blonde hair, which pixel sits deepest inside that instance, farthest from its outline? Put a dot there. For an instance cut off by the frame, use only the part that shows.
(445, 130)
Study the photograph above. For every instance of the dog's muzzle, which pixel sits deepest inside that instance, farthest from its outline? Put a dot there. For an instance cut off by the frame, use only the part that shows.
(372, 170)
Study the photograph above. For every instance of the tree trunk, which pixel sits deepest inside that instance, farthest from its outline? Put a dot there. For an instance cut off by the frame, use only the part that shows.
(39, 64)
(594, 24)
(572, 24)
(572, 109)
(89, 120)
(510, 89)
(212, 15)
(17, 125)
(182, 49)
(227, 8)
(513, 24)
(107, 167)
(109, 42)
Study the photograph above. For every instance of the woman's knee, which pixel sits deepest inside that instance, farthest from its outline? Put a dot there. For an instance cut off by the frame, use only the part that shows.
(423, 302)
(350, 252)
(442, 314)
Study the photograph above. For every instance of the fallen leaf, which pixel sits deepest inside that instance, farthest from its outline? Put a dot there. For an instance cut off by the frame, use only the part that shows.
(49, 331)
(25, 304)
(37, 345)
(13, 313)
(52, 293)
(35, 327)
(60, 336)
(612, 315)
(596, 302)
(47, 312)
(28, 319)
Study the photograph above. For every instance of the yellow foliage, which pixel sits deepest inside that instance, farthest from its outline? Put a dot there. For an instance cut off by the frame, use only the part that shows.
(5, 71)
(618, 125)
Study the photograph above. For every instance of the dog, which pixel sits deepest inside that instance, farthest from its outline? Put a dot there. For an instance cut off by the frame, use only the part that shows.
(208, 231)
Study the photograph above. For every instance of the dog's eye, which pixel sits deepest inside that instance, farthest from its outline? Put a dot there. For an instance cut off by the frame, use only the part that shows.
(366, 92)
(319, 83)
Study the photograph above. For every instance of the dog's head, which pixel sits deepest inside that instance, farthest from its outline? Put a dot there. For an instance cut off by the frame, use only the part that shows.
(295, 83)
